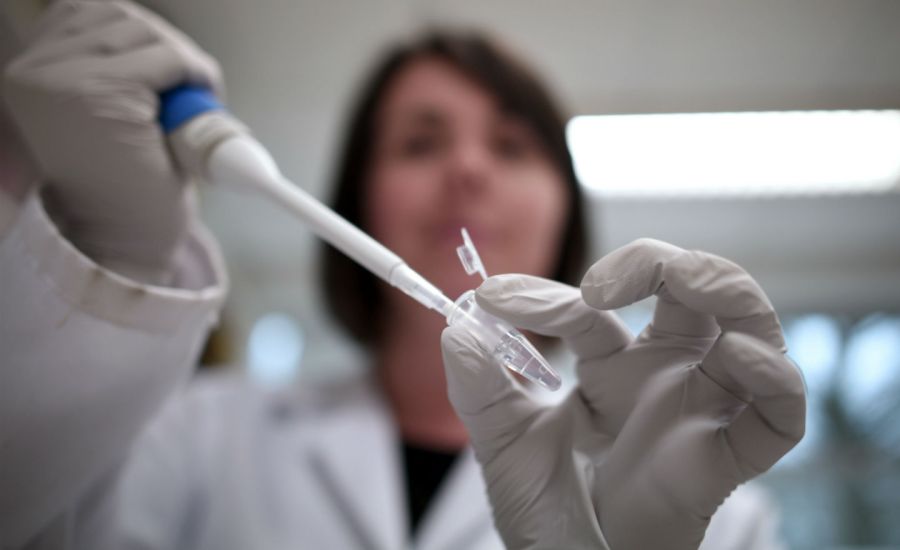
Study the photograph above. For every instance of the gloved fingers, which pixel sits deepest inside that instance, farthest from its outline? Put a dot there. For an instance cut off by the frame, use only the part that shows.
(493, 407)
(197, 66)
(200, 67)
(693, 285)
(160, 67)
(772, 386)
(553, 309)
(628, 274)
(636, 271)
(70, 17)
(711, 284)
(95, 45)
(119, 40)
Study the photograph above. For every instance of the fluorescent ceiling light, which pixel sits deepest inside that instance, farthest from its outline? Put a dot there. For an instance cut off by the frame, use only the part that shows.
(737, 153)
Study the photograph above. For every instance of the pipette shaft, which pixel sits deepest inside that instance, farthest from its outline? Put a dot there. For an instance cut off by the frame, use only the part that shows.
(241, 162)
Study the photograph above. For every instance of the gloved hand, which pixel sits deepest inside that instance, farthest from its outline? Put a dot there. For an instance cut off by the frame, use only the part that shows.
(660, 428)
(85, 95)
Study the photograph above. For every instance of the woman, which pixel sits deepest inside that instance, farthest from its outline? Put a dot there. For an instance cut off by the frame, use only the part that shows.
(450, 133)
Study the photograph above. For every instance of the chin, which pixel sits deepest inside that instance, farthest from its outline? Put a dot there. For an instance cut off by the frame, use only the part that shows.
(447, 274)
(453, 287)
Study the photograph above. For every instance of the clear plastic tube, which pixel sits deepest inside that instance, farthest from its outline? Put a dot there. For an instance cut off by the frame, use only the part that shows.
(506, 344)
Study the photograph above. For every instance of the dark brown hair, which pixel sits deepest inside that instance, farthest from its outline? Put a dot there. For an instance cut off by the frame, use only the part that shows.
(352, 293)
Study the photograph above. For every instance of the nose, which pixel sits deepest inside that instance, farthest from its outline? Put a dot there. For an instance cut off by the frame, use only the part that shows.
(468, 167)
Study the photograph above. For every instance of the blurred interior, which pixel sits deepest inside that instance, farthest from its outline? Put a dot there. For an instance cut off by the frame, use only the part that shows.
(829, 258)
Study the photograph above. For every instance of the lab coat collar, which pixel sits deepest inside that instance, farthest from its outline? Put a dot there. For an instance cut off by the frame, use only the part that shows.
(365, 486)
(368, 487)
(459, 515)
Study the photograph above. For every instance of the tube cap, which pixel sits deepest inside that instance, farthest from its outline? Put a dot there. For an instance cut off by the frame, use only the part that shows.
(469, 256)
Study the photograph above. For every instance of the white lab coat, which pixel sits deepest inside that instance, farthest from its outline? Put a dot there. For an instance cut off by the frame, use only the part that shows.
(91, 360)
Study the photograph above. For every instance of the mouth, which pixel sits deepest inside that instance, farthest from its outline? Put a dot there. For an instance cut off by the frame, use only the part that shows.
(451, 233)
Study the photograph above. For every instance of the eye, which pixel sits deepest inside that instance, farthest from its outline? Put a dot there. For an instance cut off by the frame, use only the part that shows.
(419, 145)
(513, 140)
(511, 147)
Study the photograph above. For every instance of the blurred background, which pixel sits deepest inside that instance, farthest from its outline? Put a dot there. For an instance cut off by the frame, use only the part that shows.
(766, 131)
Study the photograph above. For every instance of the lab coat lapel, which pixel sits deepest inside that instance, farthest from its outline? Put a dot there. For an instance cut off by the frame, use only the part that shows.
(460, 515)
(358, 465)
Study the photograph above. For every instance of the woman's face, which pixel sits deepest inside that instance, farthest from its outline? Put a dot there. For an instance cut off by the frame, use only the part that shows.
(447, 156)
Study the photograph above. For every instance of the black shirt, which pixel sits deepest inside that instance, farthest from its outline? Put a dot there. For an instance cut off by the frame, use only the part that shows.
(425, 470)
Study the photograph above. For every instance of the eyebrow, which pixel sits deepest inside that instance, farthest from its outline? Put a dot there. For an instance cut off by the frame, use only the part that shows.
(425, 115)
(429, 116)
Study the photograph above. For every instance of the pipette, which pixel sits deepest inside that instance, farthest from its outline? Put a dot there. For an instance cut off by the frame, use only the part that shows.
(210, 143)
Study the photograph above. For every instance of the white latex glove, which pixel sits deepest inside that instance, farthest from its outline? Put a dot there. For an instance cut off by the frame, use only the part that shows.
(660, 428)
(85, 95)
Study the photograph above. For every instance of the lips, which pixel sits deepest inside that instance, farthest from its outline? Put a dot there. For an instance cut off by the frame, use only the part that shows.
(450, 232)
